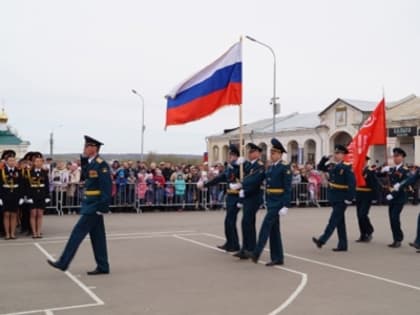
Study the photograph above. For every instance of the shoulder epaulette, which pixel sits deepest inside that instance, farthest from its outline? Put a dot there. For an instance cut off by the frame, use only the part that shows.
(260, 162)
(347, 163)
(99, 160)
(406, 168)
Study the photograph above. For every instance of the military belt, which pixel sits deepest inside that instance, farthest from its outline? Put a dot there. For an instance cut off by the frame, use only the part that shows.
(364, 189)
(38, 186)
(92, 192)
(232, 192)
(275, 190)
(338, 186)
(10, 186)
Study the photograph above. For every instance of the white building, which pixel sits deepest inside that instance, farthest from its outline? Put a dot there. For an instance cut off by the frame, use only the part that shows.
(309, 136)
(9, 140)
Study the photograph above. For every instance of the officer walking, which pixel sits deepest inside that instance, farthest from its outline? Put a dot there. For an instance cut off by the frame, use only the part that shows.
(278, 179)
(341, 190)
(251, 196)
(364, 197)
(397, 197)
(96, 200)
(411, 180)
(231, 177)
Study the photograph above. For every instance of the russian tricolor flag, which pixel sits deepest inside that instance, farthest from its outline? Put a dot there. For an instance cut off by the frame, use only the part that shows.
(217, 85)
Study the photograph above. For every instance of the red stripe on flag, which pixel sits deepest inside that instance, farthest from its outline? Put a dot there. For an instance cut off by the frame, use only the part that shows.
(206, 105)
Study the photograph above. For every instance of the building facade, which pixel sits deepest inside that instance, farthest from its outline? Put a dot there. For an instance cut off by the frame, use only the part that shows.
(309, 136)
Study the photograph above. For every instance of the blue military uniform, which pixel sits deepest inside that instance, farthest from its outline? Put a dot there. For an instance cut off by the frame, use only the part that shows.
(252, 200)
(230, 176)
(364, 197)
(96, 200)
(278, 179)
(341, 190)
(411, 180)
(396, 175)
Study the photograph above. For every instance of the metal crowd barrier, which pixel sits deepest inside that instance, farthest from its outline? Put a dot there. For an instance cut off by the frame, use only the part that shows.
(66, 199)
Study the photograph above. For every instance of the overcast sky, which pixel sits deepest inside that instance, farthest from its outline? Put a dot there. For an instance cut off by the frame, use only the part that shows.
(69, 66)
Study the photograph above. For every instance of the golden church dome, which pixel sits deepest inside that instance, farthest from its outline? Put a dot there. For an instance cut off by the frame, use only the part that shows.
(3, 117)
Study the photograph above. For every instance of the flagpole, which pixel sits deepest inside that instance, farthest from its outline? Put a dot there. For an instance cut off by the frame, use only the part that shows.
(241, 135)
(386, 144)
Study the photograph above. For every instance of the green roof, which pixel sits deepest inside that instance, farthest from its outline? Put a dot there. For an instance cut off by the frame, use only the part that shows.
(8, 138)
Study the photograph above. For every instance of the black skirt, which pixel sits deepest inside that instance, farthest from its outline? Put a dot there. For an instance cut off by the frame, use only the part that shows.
(10, 204)
(38, 204)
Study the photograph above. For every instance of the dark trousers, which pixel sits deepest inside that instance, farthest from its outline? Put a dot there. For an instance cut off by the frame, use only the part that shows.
(270, 228)
(417, 241)
(231, 232)
(365, 226)
(337, 220)
(25, 225)
(249, 234)
(394, 211)
(1, 223)
(94, 225)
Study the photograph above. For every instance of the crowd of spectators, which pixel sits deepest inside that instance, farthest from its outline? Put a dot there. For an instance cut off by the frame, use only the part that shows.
(168, 186)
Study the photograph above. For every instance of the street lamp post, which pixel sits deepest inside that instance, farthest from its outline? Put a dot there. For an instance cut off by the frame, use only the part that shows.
(274, 99)
(52, 141)
(142, 121)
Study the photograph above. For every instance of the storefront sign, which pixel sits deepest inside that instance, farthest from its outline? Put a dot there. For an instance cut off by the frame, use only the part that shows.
(402, 132)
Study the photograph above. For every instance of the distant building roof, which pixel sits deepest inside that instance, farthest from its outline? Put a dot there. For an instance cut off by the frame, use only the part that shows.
(363, 106)
(8, 138)
(293, 121)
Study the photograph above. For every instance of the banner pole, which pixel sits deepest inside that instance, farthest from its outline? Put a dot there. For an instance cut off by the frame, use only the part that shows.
(241, 135)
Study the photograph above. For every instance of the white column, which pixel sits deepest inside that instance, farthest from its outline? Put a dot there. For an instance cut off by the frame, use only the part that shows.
(417, 150)
(391, 143)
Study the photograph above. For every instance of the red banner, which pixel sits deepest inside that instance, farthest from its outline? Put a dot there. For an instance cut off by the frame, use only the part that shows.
(372, 132)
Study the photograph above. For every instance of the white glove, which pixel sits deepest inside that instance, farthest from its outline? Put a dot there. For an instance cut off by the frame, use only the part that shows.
(200, 185)
(283, 211)
(241, 194)
(239, 205)
(99, 213)
(1, 202)
(397, 186)
(21, 201)
(347, 202)
(385, 169)
(47, 200)
(389, 197)
(235, 186)
(30, 200)
(240, 160)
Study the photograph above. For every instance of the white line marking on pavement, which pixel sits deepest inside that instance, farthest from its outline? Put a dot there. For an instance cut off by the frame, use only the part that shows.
(54, 309)
(290, 299)
(60, 239)
(363, 274)
(73, 278)
(48, 312)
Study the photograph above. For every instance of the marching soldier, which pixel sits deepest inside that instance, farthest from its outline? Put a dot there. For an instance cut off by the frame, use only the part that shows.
(231, 177)
(278, 194)
(251, 196)
(411, 180)
(364, 197)
(396, 197)
(340, 194)
(37, 193)
(11, 193)
(96, 200)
